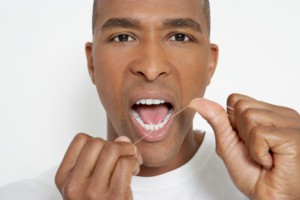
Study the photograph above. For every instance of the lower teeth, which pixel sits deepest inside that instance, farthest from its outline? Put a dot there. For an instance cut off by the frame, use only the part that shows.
(151, 127)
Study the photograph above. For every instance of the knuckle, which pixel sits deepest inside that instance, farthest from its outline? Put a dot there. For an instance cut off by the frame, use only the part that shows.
(82, 137)
(112, 148)
(113, 194)
(242, 105)
(70, 190)
(93, 191)
(96, 142)
(124, 162)
(58, 181)
(90, 194)
(232, 99)
(248, 114)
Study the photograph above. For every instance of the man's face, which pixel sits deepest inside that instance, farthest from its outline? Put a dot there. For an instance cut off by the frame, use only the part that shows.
(151, 52)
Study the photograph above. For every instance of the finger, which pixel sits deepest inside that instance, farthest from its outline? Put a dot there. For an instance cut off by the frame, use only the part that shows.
(212, 112)
(228, 144)
(119, 186)
(122, 139)
(239, 103)
(70, 158)
(216, 116)
(121, 178)
(107, 161)
(87, 160)
(252, 117)
(282, 142)
(259, 147)
(136, 153)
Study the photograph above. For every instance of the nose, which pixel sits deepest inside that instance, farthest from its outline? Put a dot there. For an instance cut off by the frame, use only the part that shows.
(151, 62)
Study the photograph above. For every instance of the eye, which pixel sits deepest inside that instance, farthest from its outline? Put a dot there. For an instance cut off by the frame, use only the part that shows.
(122, 38)
(180, 37)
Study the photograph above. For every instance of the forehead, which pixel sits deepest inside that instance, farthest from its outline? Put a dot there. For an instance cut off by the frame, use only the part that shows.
(150, 10)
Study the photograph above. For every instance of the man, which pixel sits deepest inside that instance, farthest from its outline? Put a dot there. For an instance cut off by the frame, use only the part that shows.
(150, 59)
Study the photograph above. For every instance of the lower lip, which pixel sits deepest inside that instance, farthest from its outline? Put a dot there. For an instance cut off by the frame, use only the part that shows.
(154, 136)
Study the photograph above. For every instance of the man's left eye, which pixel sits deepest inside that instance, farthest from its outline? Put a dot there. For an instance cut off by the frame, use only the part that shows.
(180, 37)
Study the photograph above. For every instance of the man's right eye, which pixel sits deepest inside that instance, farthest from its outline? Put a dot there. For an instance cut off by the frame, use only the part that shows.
(122, 38)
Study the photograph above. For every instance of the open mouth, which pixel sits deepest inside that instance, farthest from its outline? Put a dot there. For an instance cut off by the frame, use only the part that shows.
(152, 114)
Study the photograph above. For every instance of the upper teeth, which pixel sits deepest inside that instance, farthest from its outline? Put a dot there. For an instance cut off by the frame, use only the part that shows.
(150, 101)
(151, 127)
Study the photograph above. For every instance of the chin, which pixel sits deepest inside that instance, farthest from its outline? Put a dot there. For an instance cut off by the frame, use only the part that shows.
(160, 154)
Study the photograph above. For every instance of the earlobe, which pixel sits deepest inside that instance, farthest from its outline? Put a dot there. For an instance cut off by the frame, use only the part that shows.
(214, 55)
(90, 60)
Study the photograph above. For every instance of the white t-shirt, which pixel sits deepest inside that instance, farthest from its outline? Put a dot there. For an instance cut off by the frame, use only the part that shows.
(203, 177)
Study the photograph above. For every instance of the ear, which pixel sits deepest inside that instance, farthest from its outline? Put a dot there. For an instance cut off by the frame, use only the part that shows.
(90, 60)
(213, 61)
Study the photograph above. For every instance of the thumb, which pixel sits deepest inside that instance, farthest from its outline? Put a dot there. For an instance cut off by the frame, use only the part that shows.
(217, 117)
(228, 144)
(122, 139)
(137, 153)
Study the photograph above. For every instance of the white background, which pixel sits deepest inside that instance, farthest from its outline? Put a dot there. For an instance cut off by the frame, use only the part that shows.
(46, 96)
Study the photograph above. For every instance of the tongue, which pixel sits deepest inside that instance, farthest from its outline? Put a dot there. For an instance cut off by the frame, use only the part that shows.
(152, 114)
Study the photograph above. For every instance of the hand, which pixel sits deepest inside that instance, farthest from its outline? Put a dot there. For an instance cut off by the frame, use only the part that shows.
(95, 169)
(259, 144)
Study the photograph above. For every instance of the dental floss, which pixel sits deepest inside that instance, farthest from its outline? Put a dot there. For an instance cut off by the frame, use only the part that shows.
(168, 120)
(175, 116)
(230, 108)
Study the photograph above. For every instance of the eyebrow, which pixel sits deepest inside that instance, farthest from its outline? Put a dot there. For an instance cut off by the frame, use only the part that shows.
(168, 23)
(182, 23)
(121, 23)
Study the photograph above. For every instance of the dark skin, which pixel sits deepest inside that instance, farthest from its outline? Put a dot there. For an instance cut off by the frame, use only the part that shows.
(260, 137)
(149, 54)
(151, 63)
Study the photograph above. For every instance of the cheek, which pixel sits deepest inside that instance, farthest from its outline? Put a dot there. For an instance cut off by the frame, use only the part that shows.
(193, 74)
(108, 79)
(110, 65)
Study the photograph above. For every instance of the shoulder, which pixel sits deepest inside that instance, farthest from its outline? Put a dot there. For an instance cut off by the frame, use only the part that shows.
(41, 187)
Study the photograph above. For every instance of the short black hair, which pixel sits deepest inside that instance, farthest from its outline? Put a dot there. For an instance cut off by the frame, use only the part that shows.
(206, 11)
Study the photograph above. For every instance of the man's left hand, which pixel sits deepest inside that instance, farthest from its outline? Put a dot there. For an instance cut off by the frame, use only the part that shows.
(259, 144)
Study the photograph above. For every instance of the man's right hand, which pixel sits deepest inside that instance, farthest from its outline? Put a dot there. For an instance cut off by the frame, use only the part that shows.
(96, 169)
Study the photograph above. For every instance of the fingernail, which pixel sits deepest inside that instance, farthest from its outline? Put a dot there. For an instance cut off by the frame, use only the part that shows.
(122, 139)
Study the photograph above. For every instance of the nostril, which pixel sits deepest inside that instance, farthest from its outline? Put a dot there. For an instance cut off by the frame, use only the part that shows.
(151, 74)
(162, 74)
(150, 70)
(140, 73)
